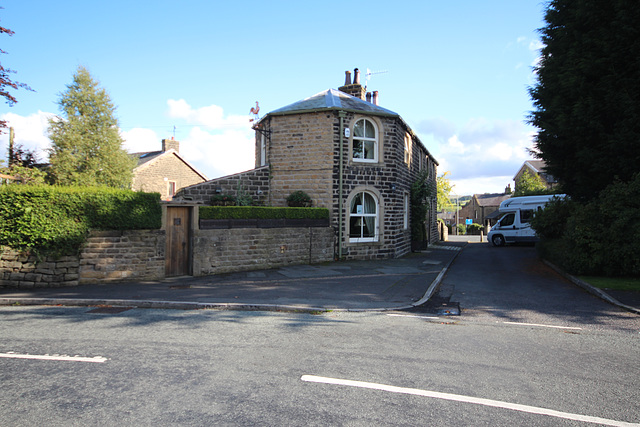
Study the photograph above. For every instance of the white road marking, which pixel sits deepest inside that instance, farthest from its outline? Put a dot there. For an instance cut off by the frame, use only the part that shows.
(95, 359)
(469, 399)
(410, 315)
(542, 326)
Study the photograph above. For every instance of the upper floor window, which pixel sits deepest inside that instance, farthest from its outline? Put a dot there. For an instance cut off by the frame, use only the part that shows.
(363, 218)
(263, 150)
(407, 148)
(365, 141)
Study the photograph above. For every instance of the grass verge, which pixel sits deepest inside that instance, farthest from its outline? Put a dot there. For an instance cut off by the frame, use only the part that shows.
(614, 283)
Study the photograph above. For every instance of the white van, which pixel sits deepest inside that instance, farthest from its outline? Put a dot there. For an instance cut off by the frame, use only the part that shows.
(515, 223)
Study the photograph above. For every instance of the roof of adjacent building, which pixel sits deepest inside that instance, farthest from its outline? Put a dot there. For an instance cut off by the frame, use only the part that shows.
(148, 157)
(332, 99)
(489, 199)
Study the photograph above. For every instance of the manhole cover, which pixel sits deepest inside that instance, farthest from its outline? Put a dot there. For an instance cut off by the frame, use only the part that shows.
(109, 310)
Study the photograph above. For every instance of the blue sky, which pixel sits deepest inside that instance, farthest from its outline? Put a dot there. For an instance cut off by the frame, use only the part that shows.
(457, 72)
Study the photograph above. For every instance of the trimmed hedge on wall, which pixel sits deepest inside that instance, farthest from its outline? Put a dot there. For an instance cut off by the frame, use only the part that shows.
(257, 212)
(54, 221)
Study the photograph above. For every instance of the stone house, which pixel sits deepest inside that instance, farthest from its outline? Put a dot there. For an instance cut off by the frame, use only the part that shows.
(165, 171)
(351, 156)
(482, 209)
(536, 168)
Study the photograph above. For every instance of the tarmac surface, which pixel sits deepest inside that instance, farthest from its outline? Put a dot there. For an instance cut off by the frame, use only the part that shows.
(386, 284)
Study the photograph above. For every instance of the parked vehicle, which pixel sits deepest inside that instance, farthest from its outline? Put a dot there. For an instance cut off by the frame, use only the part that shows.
(515, 224)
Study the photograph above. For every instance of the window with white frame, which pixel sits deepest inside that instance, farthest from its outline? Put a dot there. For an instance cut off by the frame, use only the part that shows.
(263, 150)
(171, 188)
(363, 218)
(365, 141)
(406, 211)
(407, 148)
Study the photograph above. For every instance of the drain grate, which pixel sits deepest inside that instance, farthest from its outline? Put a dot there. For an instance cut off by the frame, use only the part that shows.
(109, 310)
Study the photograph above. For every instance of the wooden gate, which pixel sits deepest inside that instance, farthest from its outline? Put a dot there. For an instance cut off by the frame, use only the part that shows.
(177, 254)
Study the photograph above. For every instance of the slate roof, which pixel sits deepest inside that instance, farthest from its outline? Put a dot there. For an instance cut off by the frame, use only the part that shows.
(332, 99)
(491, 199)
(146, 156)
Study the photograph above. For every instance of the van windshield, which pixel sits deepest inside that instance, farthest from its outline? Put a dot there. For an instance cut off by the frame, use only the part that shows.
(507, 219)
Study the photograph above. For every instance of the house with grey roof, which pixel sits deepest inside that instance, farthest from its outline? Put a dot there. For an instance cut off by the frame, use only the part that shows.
(164, 171)
(483, 209)
(351, 156)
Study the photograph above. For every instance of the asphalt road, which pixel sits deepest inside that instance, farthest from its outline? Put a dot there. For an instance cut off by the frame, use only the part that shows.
(153, 367)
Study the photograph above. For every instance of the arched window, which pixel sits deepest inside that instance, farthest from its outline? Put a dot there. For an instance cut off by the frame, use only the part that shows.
(363, 218)
(365, 141)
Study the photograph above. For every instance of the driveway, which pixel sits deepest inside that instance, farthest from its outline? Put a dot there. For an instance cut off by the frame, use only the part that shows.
(511, 284)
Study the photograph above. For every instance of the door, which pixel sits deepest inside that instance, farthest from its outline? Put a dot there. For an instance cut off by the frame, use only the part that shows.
(177, 252)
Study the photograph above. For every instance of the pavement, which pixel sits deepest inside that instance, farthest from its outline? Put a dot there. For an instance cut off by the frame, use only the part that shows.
(386, 284)
(373, 285)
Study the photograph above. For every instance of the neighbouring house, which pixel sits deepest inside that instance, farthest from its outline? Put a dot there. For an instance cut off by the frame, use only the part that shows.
(351, 156)
(164, 171)
(483, 208)
(536, 168)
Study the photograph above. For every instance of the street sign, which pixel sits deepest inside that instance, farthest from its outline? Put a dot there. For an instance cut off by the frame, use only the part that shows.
(468, 221)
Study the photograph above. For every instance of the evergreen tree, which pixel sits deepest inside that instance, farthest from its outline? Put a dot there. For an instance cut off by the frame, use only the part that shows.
(86, 143)
(587, 95)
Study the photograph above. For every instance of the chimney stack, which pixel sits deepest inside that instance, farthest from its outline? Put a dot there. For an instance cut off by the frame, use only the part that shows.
(355, 88)
(168, 144)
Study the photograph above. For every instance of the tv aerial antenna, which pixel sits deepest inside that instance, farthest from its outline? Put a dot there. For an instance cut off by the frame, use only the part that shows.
(370, 73)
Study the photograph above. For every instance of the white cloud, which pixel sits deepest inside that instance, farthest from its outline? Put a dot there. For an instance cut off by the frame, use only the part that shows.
(29, 131)
(216, 145)
(482, 156)
(139, 140)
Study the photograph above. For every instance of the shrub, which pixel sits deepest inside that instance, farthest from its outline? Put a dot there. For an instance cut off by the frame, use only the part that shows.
(54, 221)
(596, 238)
(474, 229)
(223, 200)
(299, 199)
(462, 229)
(259, 212)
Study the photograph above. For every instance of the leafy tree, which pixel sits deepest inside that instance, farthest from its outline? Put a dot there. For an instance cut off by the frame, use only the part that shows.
(86, 143)
(444, 188)
(529, 184)
(422, 193)
(6, 83)
(587, 95)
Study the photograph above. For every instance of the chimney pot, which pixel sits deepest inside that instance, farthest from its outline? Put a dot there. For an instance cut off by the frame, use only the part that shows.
(347, 78)
(356, 78)
(368, 96)
(375, 97)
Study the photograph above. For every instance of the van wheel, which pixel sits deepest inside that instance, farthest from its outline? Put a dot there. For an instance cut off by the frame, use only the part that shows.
(497, 240)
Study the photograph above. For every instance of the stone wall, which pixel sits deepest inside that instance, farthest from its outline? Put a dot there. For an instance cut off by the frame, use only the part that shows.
(123, 255)
(242, 249)
(106, 257)
(255, 182)
(26, 271)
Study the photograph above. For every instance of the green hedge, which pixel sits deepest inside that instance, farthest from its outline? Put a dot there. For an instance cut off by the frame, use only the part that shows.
(257, 212)
(50, 220)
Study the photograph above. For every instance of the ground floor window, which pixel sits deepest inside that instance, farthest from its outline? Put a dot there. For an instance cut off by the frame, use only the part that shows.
(363, 218)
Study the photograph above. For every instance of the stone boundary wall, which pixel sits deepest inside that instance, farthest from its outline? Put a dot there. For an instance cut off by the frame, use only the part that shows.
(113, 256)
(107, 256)
(26, 271)
(241, 249)
(254, 182)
